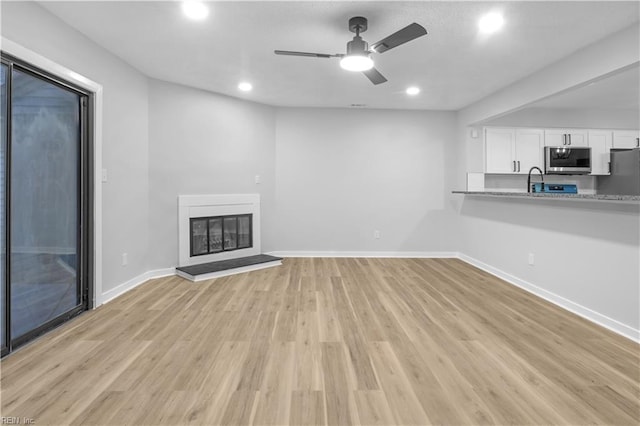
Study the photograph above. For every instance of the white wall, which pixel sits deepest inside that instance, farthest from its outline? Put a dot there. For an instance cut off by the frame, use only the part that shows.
(125, 134)
(587, 255)
(205, 143)
(341, 174)
(586, 252)
(329, 177)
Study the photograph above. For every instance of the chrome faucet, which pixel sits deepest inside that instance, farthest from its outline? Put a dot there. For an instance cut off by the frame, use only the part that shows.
(529, 178)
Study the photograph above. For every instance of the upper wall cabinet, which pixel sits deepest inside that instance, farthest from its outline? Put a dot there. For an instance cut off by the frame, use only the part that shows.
(515, 150)
(626, 139)
(512, 151)
(600, 144)
(565, 137)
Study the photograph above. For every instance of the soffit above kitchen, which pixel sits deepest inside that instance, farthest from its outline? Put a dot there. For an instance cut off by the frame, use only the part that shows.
(619, 91)
(453, 65)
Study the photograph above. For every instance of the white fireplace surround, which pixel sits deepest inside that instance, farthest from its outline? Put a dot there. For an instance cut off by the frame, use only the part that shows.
(215, 205)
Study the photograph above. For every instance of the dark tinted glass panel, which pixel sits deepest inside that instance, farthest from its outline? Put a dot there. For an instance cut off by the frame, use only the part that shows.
(244, 231)
(230, 233)
(215, 235)
(568, 157)
(45, 153)
(198, 237)
(3, 142)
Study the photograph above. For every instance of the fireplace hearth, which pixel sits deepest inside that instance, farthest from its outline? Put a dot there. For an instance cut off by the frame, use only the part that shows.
(219, 235)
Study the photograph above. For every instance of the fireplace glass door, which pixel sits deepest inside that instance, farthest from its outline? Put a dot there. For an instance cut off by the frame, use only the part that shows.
(230, 233)
(199, 237)
(210, 235)
(215, 235)
(244, 232)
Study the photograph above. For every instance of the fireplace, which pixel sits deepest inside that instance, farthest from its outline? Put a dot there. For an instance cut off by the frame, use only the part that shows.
(217, 227)
(216, 234)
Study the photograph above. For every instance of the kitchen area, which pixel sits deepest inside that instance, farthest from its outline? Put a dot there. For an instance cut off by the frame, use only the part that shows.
(580, 144)
(548, 199)
(602, 164)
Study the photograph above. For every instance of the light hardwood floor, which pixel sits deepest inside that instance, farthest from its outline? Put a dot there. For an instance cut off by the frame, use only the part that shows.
(327, 341)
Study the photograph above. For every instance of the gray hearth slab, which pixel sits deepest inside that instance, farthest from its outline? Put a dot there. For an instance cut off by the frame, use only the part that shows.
(225, 265)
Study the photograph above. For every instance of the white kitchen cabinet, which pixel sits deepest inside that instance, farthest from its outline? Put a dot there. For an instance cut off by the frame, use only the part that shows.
(626, 139)
(565, 137)
(529, 153)
(498, 150)
(512, 151)
(600, 142)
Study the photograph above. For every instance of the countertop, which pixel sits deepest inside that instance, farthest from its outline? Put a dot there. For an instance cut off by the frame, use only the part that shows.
(558, 196)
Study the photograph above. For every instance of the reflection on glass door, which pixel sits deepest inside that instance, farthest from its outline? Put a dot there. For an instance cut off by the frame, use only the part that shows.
(45, 153)
(44, 258)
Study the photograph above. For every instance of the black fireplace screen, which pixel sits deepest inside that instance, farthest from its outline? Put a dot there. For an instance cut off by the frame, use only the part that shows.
(221, 233)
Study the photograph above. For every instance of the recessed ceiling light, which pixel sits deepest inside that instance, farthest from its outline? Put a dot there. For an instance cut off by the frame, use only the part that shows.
(245, 87)
(413, 90)
(195, 10)
(490, 23)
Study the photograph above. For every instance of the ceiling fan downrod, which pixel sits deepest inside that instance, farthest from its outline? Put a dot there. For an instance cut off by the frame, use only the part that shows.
(357, 46)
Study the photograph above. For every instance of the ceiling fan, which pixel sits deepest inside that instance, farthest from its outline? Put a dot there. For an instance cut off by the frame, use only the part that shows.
(358, 53)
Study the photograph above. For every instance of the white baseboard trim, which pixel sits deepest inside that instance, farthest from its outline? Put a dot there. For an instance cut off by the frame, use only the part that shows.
(381, 254)
(582, 311)
(109, 295)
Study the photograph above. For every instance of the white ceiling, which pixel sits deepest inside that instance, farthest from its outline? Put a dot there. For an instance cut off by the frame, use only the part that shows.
(453, 65)
(618, 91)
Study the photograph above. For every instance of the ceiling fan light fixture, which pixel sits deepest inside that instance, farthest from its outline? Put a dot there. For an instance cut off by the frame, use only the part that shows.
(356, 63)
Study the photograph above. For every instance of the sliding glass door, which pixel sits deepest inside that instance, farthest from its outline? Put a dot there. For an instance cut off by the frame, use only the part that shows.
(44, 202)
(4, 319)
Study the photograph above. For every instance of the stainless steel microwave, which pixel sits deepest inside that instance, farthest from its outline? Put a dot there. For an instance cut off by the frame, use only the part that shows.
(561, 160)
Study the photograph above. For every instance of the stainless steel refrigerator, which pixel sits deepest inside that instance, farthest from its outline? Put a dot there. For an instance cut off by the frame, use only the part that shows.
(625, 173)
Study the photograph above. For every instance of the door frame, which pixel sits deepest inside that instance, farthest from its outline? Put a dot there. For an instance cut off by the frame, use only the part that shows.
(95, 119)
(84, 208)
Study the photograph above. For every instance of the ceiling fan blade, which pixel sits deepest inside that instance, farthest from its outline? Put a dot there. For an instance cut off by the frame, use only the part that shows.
(307, 54)
(406, 34)
(375, 76)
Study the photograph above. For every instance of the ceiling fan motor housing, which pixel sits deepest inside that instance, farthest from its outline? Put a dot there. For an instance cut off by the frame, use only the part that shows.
(357, 46)
(358, 24)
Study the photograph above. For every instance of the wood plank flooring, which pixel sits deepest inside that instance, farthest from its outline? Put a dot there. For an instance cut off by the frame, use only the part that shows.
(327, 342)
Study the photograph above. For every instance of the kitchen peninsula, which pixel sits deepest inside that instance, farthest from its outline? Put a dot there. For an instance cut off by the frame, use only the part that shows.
(556, 196)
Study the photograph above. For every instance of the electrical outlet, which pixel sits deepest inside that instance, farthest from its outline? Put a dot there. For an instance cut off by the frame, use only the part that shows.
(257, 179)
(376, 234)
(531, 259)
(125, 259)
